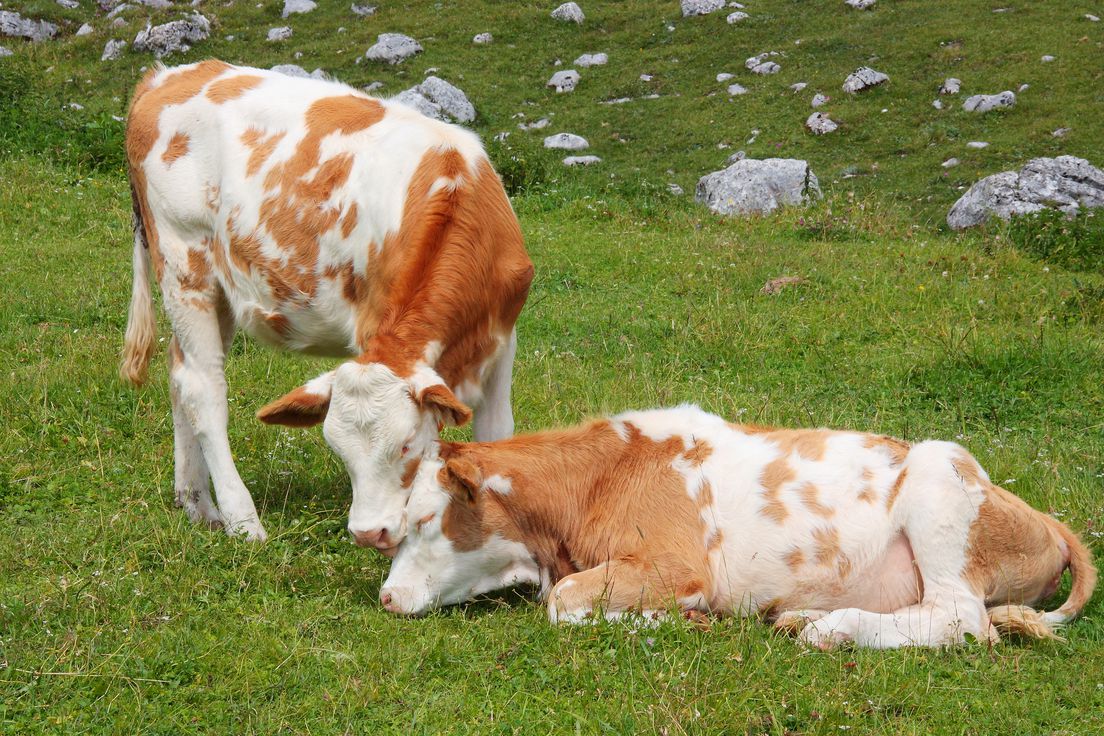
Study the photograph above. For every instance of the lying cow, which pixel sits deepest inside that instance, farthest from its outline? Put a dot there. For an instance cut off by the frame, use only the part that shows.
(322, 220)
(842, 535)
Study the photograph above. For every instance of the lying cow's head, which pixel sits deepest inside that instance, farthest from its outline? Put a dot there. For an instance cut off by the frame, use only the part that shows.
(453, 550)
(380, 425)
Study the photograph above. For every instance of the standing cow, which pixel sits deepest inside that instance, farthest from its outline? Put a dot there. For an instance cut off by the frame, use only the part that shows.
(322, 220)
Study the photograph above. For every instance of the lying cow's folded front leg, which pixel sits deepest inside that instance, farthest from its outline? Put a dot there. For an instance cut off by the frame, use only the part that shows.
(622, 588)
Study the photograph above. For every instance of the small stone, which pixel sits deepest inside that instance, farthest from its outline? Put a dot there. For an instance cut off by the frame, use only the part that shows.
(588, 60)
(675, 189)
(363, 10)
(1092, 17)
(977, 145)
(1061, 132)
(646, 77)
(119, 9)
(581, 160)
(937, 104)
(119, 23)
(951, 86)
(393, 48)
(950, 163)
(734, 18)
(760, 64)
(863, 78)
(861, 4)
(564, 81)
(535, 125)
(1046, 58)
(566, 142)
(617, 101)
(569, 13)
(738, 156)
(84, 30)
(75, 106)
(69, 4)
(156, 4)
(1023, 88)
(482, 38)
(724, 76)
(5, 51)
(373, 87)
(298, 6)
(819, 123)
(736, 89)
(798, 86)
(985, 103)
(113, 50)
(819, 100)
(700, 7)
(279, 34)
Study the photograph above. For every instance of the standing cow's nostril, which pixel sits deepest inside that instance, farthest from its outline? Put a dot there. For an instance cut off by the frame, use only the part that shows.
(378, 538)
(385, 599)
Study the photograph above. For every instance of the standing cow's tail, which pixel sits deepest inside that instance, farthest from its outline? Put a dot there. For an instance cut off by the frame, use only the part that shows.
(1027, 621)
(141, 332)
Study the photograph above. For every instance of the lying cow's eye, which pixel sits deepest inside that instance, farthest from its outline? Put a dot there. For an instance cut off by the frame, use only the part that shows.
(405, 449)
(425, 520)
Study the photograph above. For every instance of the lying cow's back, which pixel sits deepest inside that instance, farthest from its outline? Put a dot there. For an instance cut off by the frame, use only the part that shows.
(310, 199)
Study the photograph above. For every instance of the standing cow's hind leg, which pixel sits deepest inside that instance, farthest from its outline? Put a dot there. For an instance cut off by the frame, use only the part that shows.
(191, 479)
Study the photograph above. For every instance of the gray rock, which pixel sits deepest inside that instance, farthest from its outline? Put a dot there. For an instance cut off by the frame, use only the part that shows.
(535, 125)
(863, 78)
(724, 76)
(69, 4)
(156, 4)
(617, 101)
(738, 156)
(675, 189)
(1046, 58)
(951, 86)
(736, 89)
(1023, 88)
(120, 9)
(760, 64)
(734, 18)
(298, 6)
(566, 142)
(752, 186)
(363, 10)
(282, 33)
(985, 103)
(587, 60)
(177, 35)
(977, 145)
(798, 86)
(819, 123)
(1065, 183)
(393, 48)
(14, 24)
(1060, 132)
(5, 51)
(482, 38)
(950, 163)
(1091, 17)
(700, 7)
(581, 160)
(113, 50)
(294, 70)
(415, 99)
(84, 30)
(569, 12)
(564, 81)
(453, 104)
(646, 77)
(861, 4)
(370, 88)
(819, 100)
(937, 104)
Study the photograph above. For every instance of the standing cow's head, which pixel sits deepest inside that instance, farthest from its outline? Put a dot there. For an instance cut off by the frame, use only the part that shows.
(380, 424)
(455, 548)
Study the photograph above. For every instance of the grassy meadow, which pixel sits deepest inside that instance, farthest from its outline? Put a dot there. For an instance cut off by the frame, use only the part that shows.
(118, 616)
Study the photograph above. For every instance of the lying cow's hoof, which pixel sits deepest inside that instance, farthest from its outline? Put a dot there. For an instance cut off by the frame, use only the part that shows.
(821, 637)
(792, 622)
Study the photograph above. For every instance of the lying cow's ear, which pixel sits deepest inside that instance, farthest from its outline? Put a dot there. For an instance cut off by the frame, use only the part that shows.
(464, 479)
(444, 405)
(306, 406)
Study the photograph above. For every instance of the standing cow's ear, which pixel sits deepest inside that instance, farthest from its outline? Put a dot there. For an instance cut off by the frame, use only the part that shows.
(306, 406)
(444, 405)
(464, 479)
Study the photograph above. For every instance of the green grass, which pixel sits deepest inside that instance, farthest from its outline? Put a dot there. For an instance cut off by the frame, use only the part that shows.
(116, 615)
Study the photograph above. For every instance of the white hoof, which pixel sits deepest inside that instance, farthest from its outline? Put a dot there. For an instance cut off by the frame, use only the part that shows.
(250, 529)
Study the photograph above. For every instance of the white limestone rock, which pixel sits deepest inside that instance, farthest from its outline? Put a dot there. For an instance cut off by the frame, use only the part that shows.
(985, 103)
(819, 100)
(581, 160)
(363, 10)
(700, 7)
(69, 4)
(1065, 183)
(14, 24)
(861, 4)
(482, 39)
(569, 13)
(758, 186)
(950, 163)
(761, 63)
(588, 60)
(863, 78)
(5, 51)
(85, 30)
(294, 70)
(1060, 132)
(393, 48)
(113, 50)
(734, 90)
(819, 123)
(282, 33)
(535, 125)
(1092, 18)
(1046, 58)
(175, 36)
(724, 76)
(566, 142)
(564, 81)
(292, 7)
(951, 86)
(798, 86)
(937, 104)
(734, 18)
(451, 100)
(977, 145)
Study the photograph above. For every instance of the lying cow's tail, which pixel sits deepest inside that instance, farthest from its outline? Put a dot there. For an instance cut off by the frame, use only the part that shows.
(1044, 625)
(141, 332)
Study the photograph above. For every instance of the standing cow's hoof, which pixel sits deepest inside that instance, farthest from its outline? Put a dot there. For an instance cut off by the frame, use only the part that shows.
(250, 530)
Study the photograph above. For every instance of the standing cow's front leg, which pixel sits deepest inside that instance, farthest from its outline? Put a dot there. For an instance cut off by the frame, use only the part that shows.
(494, 418)
(621, 587)
(198, 383)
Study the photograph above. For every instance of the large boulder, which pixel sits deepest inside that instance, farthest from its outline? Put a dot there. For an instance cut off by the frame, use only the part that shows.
(14, 24)
(177, 35)
(1065, 183)
(758, 186)
(393, 48)
(438, 99)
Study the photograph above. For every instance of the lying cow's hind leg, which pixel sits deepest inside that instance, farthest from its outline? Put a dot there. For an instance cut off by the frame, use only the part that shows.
(200, 385)
(494, 418)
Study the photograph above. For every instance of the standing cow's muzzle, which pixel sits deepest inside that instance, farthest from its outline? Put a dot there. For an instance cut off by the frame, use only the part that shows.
(381, 539)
